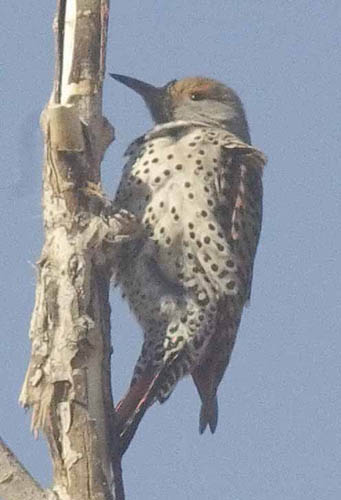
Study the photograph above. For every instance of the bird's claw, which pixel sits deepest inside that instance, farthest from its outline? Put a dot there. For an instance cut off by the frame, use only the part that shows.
(128, 225)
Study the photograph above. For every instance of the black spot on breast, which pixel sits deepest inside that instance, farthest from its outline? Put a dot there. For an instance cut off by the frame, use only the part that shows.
(231, 285)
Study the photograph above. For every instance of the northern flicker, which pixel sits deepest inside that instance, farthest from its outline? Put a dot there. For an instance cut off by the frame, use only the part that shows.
(195, 183)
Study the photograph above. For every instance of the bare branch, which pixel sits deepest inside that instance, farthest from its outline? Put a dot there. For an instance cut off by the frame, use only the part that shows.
(15, 482)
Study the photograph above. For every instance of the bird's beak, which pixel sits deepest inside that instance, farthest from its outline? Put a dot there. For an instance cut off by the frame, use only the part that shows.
(148, 92)
(154, 97)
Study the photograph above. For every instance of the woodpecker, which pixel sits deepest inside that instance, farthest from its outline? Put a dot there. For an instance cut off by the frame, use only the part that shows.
(194, 182)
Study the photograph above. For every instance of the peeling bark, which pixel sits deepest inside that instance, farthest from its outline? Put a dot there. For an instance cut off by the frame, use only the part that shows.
(67, 383)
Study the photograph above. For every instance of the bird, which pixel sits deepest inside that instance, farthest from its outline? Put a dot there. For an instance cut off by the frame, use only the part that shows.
(194, 183)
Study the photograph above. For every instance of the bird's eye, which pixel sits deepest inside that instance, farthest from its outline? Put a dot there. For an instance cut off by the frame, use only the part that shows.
(197, 97)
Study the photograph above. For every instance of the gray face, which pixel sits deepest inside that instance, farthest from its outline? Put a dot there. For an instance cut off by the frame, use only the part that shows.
(229, 114)
(193, 99)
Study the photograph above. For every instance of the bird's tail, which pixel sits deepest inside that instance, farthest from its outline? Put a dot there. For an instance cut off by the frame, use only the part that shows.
(152, 384)
(209, 414)
(131, 409)
(208, 396)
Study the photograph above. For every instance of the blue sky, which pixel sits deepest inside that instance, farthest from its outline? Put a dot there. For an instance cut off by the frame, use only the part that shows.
(279, 432)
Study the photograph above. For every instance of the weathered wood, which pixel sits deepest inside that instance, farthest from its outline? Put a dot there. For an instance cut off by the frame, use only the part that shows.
(67, 384)
(15, 482)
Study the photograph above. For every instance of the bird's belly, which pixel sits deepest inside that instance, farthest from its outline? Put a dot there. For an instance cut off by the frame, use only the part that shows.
(163, 221)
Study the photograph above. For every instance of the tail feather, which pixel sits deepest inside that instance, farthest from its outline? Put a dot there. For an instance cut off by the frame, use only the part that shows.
(141, 395)
(208, 373)
(208, 396)
(133, 406)
(126, 408)
(151, 385)
(209, 415)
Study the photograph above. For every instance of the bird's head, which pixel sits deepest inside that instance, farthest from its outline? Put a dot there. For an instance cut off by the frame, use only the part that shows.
(193, 99)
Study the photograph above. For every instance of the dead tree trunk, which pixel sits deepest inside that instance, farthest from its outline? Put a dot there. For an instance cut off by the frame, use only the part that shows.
(67, 384)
